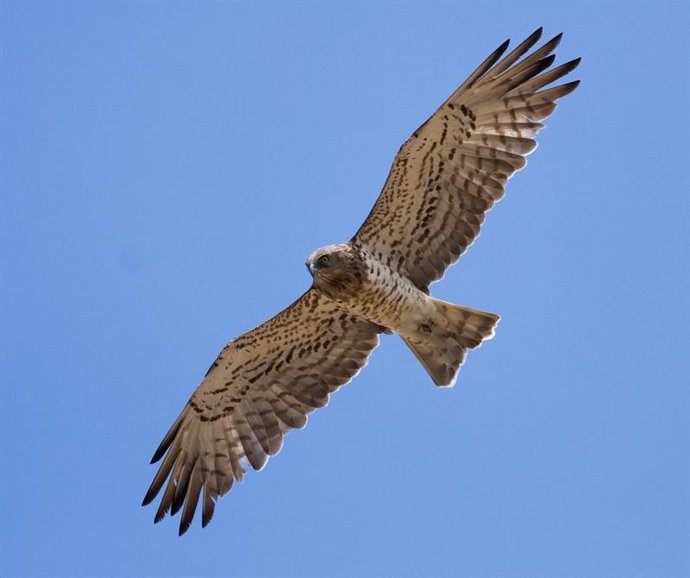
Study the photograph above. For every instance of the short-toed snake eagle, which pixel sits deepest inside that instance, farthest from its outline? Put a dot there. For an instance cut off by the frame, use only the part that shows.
(444, 179)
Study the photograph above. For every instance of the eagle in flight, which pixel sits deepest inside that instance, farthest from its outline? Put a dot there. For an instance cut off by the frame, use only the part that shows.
(444, 179)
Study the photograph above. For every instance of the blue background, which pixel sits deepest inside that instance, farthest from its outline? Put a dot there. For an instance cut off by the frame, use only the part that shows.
(166, 169)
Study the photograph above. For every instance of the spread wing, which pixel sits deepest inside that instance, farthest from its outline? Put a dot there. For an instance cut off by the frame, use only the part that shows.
(453, 169)
(262, 385)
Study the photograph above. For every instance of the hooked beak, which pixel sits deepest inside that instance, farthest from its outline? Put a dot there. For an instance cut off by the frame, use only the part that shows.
(309, 269)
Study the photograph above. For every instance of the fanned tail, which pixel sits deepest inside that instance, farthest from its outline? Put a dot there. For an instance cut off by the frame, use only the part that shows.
(442, 344)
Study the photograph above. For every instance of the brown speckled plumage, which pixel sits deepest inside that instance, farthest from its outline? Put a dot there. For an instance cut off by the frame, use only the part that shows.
(445, 177)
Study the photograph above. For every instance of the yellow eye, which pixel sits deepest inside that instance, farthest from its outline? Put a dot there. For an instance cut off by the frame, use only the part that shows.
(323, 260)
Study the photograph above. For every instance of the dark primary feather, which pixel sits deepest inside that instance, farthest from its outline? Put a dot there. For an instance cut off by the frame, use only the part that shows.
(262, 385)
(455, 167)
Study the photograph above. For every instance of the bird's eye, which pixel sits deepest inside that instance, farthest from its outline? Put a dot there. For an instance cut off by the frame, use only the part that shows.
(323, 260)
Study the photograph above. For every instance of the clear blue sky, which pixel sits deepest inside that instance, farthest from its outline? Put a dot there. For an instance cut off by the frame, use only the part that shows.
(165, 170)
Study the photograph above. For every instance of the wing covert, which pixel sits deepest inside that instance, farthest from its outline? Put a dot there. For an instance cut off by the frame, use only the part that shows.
(455, 167)
(262, 385)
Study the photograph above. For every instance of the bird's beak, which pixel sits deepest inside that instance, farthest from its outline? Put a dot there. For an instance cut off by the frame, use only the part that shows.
(309, 269)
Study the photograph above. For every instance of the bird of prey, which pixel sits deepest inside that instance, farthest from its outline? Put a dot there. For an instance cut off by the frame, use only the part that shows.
(444, 179)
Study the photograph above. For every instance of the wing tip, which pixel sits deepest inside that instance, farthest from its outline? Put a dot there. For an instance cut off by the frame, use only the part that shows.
(557, 39)
(502, 48)
(536, 35)
(207, 510)
(148, 498)
(568, 87)
(571, 65)
(169, 437)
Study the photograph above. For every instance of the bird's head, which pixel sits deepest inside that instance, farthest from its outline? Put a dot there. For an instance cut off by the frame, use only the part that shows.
(327, 258)
(336, 270)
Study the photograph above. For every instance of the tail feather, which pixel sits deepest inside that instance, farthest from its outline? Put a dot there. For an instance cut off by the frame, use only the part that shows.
(441, 344)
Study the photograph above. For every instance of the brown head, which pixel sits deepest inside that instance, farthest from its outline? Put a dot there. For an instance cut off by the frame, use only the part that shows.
(337, 271)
